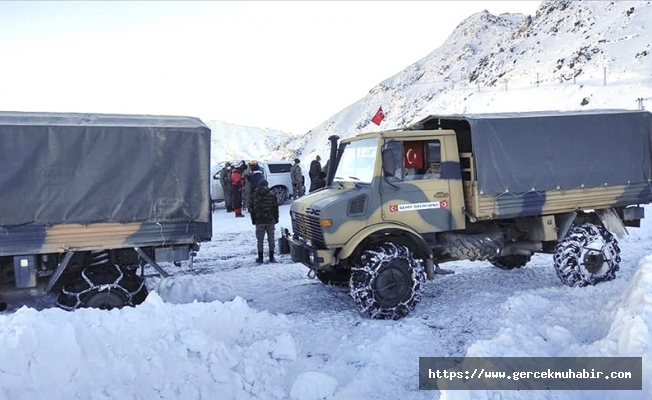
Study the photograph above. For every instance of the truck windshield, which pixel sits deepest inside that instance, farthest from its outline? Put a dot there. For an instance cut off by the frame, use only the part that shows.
(358, 161)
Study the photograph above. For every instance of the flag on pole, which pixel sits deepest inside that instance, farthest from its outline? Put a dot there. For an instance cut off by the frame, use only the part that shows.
(378, 118)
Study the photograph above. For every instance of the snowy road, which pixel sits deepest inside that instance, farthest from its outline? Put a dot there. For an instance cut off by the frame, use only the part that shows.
(233, 329)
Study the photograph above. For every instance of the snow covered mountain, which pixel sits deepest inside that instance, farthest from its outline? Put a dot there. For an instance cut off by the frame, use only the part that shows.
(570, 55)
(235, 142)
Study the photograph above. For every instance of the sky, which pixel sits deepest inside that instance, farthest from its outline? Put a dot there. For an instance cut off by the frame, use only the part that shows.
(287, 66)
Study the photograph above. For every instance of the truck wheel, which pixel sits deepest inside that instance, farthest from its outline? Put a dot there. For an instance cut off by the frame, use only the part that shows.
(588, 255)
(338, 277)
(478, 247)
(281, 194)
(387, 282)
(105, 287)
(510, 262)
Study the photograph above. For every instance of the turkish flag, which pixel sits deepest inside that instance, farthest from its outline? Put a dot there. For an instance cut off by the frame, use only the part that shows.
(378, 118)
(413, 154)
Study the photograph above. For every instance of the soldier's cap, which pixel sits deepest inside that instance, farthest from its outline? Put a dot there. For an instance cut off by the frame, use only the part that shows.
(263, 182)
(227, 164)
(296, 161)
(318, 158)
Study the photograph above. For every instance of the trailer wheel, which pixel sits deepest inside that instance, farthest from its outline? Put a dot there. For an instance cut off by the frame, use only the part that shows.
(479, 247)
(105, 287)
(588, 255)
(510, 262)
(387, 282)
(338, 277)
(281, 194)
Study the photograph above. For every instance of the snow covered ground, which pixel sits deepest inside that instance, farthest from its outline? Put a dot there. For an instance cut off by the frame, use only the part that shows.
(229, 328)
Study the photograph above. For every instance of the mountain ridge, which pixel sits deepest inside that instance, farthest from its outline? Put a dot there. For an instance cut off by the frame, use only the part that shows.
(570, 55)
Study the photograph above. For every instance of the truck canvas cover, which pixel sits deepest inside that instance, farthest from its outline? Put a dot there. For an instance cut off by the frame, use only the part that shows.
(65, 168)
(542, 151)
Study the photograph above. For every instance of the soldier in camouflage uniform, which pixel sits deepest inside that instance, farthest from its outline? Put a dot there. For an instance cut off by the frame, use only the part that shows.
(264, 215)
(225, 181)
(297, 179)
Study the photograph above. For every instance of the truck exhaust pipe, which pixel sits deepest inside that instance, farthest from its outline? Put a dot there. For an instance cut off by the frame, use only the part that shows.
(331, 161)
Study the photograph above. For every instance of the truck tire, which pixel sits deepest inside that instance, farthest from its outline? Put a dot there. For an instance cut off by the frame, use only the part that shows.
(588, 255)
(387, 282)
(480, 247)
(281, 194)
(510, 262)
(105, 287)
(338, 277)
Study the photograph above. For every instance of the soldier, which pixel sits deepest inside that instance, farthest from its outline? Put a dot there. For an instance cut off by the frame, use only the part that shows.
(264, 215)
(313, 173)
(297, 181)
(225, 181)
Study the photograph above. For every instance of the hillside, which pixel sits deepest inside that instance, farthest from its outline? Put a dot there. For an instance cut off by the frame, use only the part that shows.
(570, 55)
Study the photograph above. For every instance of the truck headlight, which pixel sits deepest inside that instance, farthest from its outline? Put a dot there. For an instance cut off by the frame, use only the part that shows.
(325, 223)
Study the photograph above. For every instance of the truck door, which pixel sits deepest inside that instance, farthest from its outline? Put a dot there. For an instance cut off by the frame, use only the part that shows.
(416, 188)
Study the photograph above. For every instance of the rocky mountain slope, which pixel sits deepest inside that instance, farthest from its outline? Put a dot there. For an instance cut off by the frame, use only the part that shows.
(569, 55)
(581, 54)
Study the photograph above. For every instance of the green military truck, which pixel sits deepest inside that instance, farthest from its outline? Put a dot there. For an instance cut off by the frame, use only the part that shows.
(89, 199)
(488, 187)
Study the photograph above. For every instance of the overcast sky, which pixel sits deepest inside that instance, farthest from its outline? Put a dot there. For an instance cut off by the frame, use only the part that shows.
(280, 65)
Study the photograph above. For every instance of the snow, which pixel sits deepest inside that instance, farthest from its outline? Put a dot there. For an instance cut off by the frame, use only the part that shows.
(229, 328)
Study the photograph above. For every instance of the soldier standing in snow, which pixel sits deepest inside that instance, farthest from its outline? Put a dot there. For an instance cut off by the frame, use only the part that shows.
(313, 173)
(297, 179)
(264, 215)
(225, 181)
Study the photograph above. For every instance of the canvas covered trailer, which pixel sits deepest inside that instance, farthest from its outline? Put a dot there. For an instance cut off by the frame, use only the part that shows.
(100, 195)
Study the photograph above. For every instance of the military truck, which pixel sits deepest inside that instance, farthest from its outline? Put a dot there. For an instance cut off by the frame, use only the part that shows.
(89, 199)
(485, 187)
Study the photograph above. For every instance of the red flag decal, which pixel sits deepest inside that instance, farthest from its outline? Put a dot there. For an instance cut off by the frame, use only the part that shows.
(413, 154)
(378, 118)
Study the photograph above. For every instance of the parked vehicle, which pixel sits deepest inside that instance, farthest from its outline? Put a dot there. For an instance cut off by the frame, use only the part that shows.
(277, 174)
(89, 199)
(494, 187)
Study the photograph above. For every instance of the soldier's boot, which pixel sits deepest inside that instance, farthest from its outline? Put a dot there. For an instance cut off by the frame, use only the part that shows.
(259, 260)
(271, 256)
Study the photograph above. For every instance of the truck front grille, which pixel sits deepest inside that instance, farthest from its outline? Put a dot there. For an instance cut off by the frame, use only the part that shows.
(307, 226)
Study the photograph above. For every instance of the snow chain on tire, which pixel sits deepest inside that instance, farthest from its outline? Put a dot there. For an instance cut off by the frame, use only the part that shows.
(387, 282)
(588, 255)
(119, 286)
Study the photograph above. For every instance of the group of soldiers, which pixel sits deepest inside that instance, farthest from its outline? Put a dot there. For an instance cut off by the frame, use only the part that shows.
(316, 173)
(238, 183)
(245, 186)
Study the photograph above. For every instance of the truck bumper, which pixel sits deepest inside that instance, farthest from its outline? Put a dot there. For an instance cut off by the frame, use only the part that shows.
(308, 256)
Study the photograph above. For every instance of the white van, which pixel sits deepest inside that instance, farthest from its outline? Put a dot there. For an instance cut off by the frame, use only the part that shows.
(277, 173)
